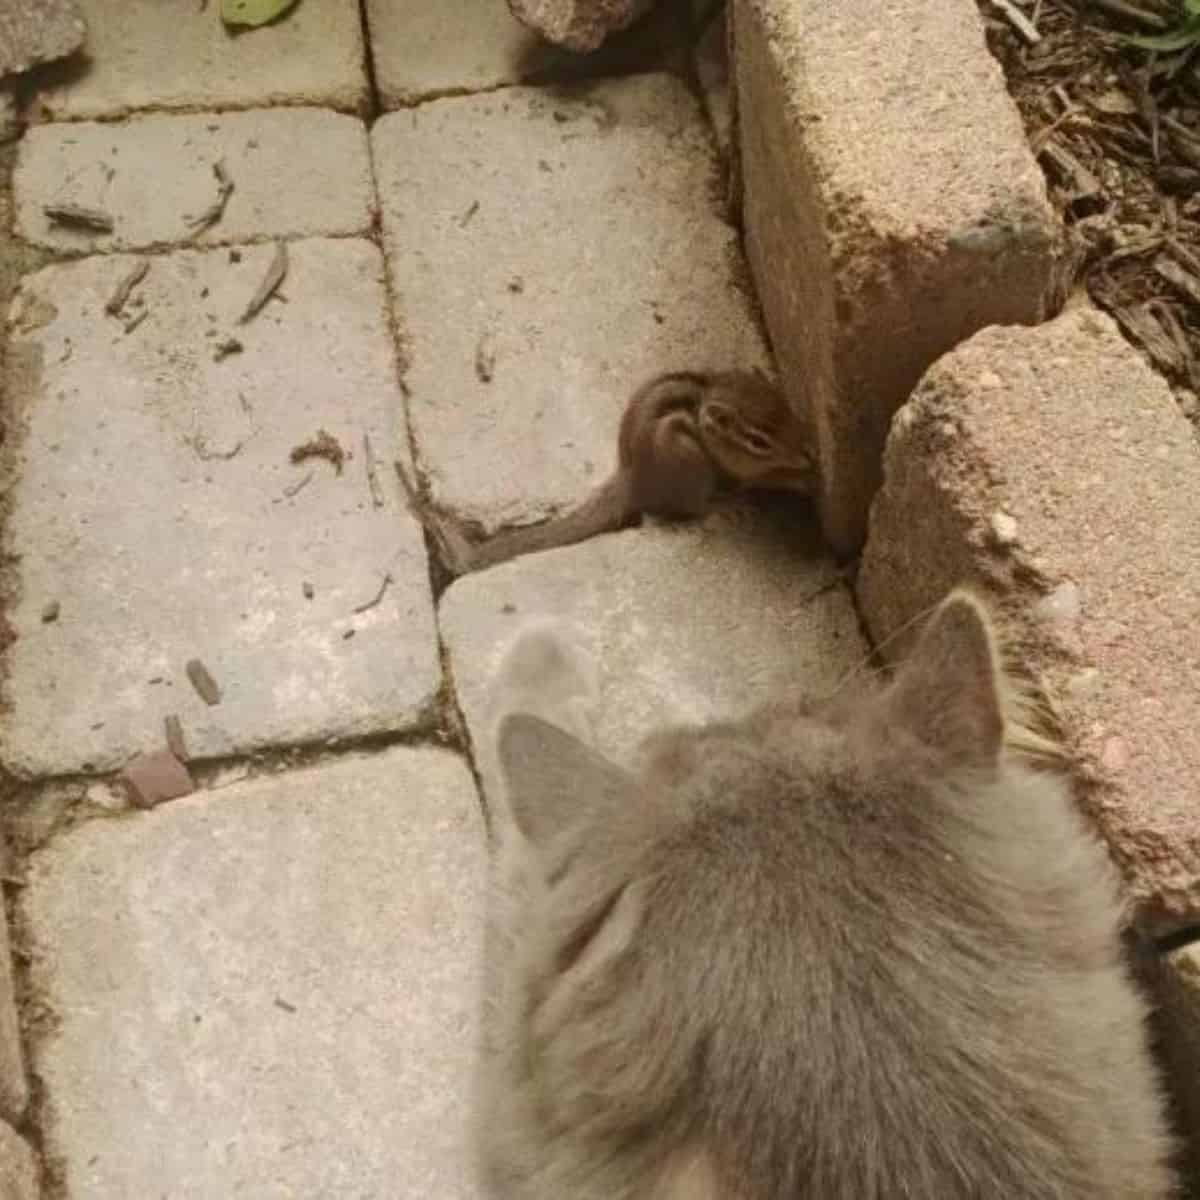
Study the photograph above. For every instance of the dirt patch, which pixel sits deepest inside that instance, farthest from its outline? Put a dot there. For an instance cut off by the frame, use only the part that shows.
(1117, 131)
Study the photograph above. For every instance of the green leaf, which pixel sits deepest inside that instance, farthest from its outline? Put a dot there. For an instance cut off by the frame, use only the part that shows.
(253, 12)
(1188, 34)
(1192, 7)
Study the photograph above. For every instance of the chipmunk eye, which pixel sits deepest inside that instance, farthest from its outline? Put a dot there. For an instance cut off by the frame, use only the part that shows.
(757, 443)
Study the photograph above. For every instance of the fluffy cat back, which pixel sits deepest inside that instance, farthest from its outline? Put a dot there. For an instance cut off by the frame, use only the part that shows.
(859, 949)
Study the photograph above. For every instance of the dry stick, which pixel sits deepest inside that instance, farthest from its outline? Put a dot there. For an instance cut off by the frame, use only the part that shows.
(124, 289)
(216, 210)
(79, 216)
(1180, 278)
(372, 467)
(374, 601)
(1019, 21)
(1120, 8)
(271, 281)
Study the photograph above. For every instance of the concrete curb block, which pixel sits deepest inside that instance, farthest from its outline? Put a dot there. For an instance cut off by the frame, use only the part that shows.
(1052, 467)
(892, 208)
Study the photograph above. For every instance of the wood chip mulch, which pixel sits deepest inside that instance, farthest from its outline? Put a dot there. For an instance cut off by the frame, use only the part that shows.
(1117, 131)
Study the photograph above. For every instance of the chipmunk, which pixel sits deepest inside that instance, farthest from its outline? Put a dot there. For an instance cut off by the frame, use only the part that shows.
(684, 437)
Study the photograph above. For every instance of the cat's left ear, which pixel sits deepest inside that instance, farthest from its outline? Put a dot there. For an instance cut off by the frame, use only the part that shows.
(947, 694)
(554, 782)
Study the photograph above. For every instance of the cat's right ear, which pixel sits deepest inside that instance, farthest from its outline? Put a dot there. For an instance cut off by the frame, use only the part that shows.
(947, 693)
(554, 782)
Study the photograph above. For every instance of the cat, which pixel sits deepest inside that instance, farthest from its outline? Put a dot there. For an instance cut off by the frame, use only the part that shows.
(855, 949)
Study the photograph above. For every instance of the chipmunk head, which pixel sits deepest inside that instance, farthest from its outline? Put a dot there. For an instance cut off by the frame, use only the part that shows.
(752, 435)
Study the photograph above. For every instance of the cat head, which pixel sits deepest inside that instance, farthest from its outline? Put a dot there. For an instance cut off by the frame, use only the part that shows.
(678, 908)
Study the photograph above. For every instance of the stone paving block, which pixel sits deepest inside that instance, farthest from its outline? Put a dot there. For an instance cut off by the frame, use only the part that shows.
(1052, 466)
(267, 991)
(154, 176)
(38, 31)
(18, 1167)
(892, 208)
(146, 54)
(550, 253)
(157, 504)
(686, 623)
(421, 49)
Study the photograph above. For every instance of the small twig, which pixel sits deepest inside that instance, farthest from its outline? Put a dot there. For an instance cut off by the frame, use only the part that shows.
(216, 210)
(136, 320)
(205, 685)
(465, 219)
(271, 280)
(199, 444)
(79, 216)
(372, 468)
(124, 288)
(375, 600)
(1018, 20)
(293, 488)
(1121, 8)
(1180, 278)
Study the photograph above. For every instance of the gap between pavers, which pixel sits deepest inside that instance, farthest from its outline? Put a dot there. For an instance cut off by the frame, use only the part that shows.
(685, 623)
(294, 172)
(1052, 466)
(549, 252)
(269, 990)
(143, 54)
(157, 516)
(892, 207)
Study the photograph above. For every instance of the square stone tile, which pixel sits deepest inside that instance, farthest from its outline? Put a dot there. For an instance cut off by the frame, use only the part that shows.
(158, 517)
(549, 252)
(155, 175)
(147, 54)
(267, 991)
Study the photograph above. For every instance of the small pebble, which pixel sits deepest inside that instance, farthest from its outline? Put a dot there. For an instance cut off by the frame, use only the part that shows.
(307, 589)
(1004, 528)
(51, 611)
(203, 682)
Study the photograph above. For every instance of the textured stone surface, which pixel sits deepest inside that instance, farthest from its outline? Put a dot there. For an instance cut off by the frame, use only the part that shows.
(712, 70)
(146, 54)
(686, 622)
(266, 991)
(18, 1168)
(1053, 466)
(154, 175)
(38, 31)
(892, 208)
(571, 246)
(421, 49)
(156, 503)
(579, 24)
(14, 1088)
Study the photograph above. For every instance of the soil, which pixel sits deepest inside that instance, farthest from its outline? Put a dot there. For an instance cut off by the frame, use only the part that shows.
(1117, 131)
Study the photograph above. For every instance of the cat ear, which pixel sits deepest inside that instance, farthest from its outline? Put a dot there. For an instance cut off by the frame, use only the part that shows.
(555, 782)
(947, 693)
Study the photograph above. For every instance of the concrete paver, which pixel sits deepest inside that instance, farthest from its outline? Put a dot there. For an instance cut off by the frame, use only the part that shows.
(146, 54)
(266, 991)
(158, 506)
(892, 208)
(18, 1167)
(154, 175)
(550, 252)
(1053, 466)
(685, 623)
(38, 31)
(421, 49)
